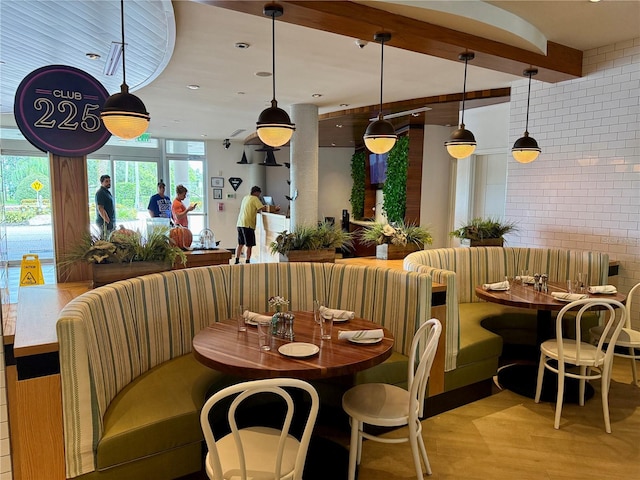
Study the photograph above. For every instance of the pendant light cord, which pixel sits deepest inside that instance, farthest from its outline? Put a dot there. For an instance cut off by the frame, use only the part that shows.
(273, 53)
(464, 89)
(124, 73)
(381, 75)
(526, 127)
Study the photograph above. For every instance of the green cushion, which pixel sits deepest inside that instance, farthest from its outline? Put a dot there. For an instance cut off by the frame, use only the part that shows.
(477, 343)
(392, 371)
(158, 411)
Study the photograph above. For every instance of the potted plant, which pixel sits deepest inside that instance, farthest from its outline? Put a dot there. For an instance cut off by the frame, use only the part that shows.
(311, 244)
(484, 232)
(126, 254)
(395, 241)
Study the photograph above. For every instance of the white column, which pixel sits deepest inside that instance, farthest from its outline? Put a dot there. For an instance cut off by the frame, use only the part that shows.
(304, 165)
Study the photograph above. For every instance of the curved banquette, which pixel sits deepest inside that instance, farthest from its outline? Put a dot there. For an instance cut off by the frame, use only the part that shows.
(472, 351)
(131, 388)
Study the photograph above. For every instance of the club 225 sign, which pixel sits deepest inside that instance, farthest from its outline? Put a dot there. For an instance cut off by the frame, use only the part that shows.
(57, 108)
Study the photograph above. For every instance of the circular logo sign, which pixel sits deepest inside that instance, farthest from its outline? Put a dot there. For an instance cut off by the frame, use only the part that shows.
(57, 109)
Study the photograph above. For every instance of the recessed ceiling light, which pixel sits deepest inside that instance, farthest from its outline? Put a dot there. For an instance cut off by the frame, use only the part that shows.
(193, 87)
(339, 125)
(316, 95)
(239, 93)
(92, 56)
(242, 45)
(202, 135)
(263, 74)
(344, 104)
(333, 144)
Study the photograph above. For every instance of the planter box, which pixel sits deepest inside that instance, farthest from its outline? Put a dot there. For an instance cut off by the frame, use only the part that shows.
(395, 252)
(324, 255)
(487, 242)
(104, 273)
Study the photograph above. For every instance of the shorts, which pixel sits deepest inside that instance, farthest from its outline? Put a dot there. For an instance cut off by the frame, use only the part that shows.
(246, 236)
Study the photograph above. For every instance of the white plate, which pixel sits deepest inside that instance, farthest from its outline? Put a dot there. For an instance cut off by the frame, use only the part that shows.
(366, 341)
(298, 349)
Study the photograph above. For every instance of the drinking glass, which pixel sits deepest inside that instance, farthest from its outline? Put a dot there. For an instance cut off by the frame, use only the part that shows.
(239, 316)
(326, 325)
(570, 286)
(523, 276)
(316, 310)
(581, 283)
(264, 335)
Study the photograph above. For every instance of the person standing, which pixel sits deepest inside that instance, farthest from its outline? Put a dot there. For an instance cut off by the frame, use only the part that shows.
(246, 224)
(179, 210)
(160, 204)
(106, 215)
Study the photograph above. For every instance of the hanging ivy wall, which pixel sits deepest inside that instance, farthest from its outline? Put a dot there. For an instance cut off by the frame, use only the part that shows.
(395, 186)
(358, 172)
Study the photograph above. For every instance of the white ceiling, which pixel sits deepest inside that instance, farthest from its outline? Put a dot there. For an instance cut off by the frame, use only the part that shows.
(174, 44)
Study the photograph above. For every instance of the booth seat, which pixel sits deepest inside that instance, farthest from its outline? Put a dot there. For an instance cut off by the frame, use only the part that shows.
(472, 350)
(131, 388)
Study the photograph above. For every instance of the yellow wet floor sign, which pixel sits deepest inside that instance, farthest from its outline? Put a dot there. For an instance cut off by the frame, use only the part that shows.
(30, 271)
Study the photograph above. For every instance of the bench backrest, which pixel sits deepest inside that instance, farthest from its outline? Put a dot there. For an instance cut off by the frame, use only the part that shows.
(463, 269)
(113, 334)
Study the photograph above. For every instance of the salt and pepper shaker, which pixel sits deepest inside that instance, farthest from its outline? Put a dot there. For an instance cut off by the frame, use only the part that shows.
(282, 325)
(544, 278)
(536, 282)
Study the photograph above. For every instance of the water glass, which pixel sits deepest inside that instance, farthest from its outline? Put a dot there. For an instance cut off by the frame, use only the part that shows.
(523, 277)
(316, 310)
(570, 286)
(239, 316)
(264, 336)
(581, 283)
(326, 325)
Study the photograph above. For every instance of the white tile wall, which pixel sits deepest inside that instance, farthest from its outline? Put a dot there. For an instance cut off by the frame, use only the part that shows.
(583, 192)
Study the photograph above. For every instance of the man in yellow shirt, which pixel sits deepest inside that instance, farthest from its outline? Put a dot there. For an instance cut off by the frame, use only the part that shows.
(246, 224)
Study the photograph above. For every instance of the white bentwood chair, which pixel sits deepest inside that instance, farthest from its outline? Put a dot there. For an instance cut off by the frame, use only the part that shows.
(385, 405)
(593, 361)
(258, 451)
(629, 337)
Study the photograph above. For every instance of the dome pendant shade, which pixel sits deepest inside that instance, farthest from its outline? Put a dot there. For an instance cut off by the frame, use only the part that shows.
(274, 126)
(124, 115)
(525, 149)
(380, 136)
(461, 143)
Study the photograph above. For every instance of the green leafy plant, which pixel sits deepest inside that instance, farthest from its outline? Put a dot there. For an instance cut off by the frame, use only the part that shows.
(125, 246)
(484, 228)
(395, 186)
(305, 237)
(395, 234)
(358, 171)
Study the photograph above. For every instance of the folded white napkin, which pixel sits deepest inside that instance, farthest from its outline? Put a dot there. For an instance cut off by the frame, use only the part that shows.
(338, 314)
(526, 279)
(610, 289)
(569, 296)
(496, 286)
(255, 317)
(360, 334)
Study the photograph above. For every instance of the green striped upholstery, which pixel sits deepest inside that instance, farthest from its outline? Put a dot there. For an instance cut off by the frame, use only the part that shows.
(110, 336)
(463, 269)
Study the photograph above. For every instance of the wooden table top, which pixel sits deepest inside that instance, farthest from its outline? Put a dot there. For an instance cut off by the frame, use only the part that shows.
(222, 347)
(527, 297)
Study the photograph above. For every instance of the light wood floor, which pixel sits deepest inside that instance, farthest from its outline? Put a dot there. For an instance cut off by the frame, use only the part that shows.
(506, 436)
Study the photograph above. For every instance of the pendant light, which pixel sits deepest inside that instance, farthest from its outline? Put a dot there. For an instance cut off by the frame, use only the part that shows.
(462, 143)
(274, 126)
(380, 136)
(526, 149)
(124, 114)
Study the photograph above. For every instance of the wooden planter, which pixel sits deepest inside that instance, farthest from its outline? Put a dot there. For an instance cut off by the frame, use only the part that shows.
(395, 252)
(104, 273)
(487, 242)
(323, 255)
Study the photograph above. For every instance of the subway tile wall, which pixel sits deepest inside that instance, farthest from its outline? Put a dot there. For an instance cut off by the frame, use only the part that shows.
(583, 192)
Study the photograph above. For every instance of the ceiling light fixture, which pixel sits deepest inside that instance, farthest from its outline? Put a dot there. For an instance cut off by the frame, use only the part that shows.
(462, 143)
(193, 86)
(124, 114)
(380, 136)
(526, 149)
(274, 126)
(92, 56)
(113, 59)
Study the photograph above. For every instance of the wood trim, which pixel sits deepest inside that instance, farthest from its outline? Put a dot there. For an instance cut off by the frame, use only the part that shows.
(69, 213)
(362, 21)
(414, 173)
(436, 378)
(35, 427)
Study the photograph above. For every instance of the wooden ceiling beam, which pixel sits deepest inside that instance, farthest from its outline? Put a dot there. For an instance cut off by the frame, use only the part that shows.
(361, 21)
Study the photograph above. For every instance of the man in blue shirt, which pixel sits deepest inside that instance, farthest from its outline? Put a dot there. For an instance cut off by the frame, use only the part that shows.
(160, 204)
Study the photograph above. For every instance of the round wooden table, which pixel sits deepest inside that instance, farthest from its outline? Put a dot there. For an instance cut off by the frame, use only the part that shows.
(222, 347)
